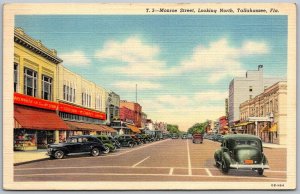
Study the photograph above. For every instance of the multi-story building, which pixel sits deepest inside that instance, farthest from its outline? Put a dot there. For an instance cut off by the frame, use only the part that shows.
(223, 125)
(127, 115)
(245, 88)
(35, 82)
(112, 106)
(51, 102)
(82, 104)
(144, 120)
(265, 114)
(137, 108)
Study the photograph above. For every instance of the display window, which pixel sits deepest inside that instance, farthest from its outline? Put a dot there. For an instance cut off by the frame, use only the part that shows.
(25, 139)
(62, 136)
(44, 138)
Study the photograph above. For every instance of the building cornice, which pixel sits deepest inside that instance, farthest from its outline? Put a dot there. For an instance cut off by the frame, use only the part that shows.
(35, 46)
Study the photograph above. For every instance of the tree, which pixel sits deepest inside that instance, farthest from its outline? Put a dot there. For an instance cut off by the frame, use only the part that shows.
(198, 128)
(172, 128)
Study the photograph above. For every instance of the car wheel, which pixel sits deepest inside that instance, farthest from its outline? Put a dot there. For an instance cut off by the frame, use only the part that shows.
(225, 168)
(217, 164)
(59, 154)
(106, 150)
(95, 152)
(130, 145)
(114, 148)
(260, 171)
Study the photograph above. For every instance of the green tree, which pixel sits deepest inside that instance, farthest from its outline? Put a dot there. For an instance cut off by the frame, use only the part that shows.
(198, 128)
(173, 128)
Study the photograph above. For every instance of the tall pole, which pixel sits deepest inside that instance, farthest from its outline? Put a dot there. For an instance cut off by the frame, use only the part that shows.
(136, 93)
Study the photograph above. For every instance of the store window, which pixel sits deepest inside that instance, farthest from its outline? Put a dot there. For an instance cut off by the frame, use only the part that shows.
(25, 139)
(46, 87)
(16, 77)
(30, 82)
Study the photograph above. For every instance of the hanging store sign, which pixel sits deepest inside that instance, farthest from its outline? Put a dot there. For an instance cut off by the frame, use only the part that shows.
(34, 102)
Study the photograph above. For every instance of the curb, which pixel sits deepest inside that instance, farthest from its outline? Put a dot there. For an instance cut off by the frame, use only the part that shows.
(27, 162)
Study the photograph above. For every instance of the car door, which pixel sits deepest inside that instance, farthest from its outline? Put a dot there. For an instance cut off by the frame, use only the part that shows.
(74, 145)
(86, 144)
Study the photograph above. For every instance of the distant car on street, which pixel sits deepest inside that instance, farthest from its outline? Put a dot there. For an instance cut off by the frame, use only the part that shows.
(77, 145)
(184, 136)
(197, 138)
(241, 151)
(189, 136)
(174, 136)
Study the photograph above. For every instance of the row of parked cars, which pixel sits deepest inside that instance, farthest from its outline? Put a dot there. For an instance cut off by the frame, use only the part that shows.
(214, 137)
(96, 144)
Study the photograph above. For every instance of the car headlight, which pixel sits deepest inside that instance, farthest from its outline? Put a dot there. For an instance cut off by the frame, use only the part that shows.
(50, 149)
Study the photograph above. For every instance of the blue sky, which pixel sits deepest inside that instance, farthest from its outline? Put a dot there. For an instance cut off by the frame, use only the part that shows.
(182, 64)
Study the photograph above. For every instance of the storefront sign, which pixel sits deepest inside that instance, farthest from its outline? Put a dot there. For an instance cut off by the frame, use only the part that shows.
(80, 111)
(34, 102)
(62, 107)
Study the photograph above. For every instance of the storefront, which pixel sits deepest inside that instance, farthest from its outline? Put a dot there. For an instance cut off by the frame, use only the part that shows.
(36, 123)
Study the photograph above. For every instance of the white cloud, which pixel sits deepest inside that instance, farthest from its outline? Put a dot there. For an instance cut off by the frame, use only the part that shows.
(75, 58)
(220, 59)
(140, 58)
(185, 110)
(142, 85)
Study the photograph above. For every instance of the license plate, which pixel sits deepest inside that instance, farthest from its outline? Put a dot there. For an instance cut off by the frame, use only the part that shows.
(248, 161)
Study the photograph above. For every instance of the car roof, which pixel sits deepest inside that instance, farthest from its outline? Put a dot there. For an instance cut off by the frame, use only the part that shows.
(241, 137)
(74, 136)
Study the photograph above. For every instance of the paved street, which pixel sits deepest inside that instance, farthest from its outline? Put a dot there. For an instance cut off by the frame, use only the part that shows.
(166, 160)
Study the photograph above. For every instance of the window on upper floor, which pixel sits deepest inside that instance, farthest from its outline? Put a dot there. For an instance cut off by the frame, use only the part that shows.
(46, 87)
(250, 89)
(30, 82)
(16, 77)
(69, 92)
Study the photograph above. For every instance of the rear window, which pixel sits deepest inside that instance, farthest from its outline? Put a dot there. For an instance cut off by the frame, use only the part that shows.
(247, 142)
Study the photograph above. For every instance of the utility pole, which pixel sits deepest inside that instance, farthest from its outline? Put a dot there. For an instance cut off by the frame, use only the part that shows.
(136, 93)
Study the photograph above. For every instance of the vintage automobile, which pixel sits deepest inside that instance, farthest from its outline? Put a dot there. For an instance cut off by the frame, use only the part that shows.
(183, 136)
(197, 138)
(114, 141)
(107, 142)
(77, 145)
(141, 138)
(174, 136)
(126, 141)
(241, 151)
(137, 140)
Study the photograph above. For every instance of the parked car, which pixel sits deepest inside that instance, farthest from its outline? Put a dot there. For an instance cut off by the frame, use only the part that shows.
(189, 136)
(141, 138)
(241, 151)
(217, 137)
(137, 140)
(115, 141)
(184, 136)
(147, 138)
(126, 141)
(197, 138)
(174, 136)
(77, 145)
(107, 142)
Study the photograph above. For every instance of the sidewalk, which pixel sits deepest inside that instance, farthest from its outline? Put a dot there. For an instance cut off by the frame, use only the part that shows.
(22, 157)
(272, 145)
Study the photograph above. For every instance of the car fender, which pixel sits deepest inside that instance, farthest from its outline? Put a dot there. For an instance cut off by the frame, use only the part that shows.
(64, 149)
(217, 155)
(226, 158)
(264, 159)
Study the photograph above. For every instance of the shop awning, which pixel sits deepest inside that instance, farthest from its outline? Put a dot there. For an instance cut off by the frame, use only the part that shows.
(84, 126)
(108, 129)
(243, 124)
(39, 119)
(273, 128)
(134, 128)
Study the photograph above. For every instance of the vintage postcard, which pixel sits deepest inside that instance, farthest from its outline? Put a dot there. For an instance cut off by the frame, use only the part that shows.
(149, 96)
